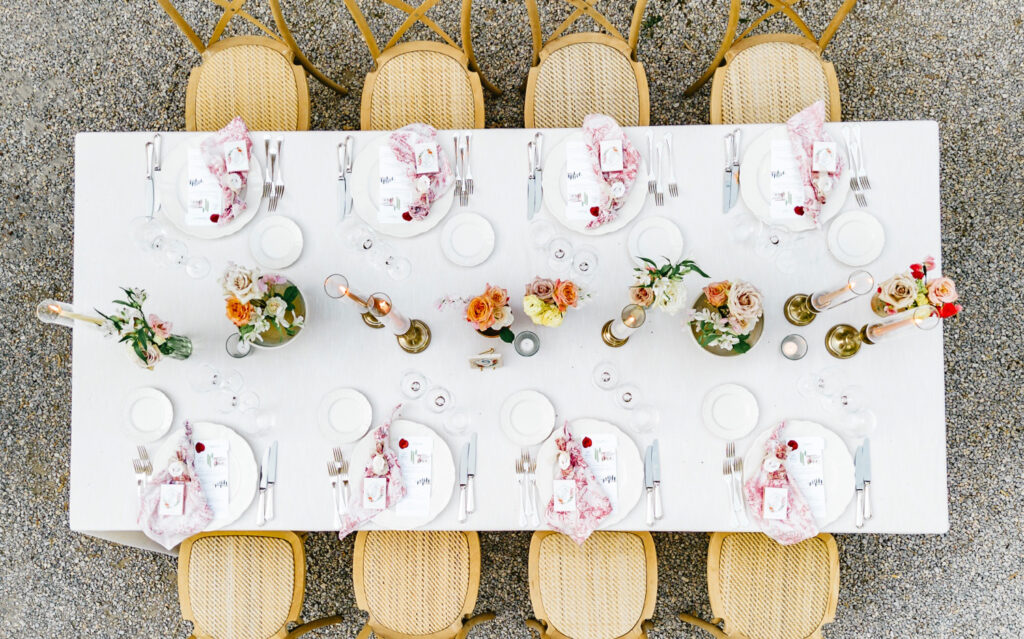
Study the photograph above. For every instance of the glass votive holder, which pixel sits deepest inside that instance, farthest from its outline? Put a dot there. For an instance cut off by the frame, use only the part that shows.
(793, 347)
(526, 343)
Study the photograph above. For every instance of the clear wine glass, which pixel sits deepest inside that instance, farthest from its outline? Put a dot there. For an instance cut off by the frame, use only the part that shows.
(584, 263)
(606, 376)
(742, 226)
(559, 254)
(851, 403)
(397, 267)
(205, 377)
(822, 384)
(644, 418)
(439, 399)
(627, 396)
(242, 401)
(147, 233)
(541, 232)
(457, 422)
(197, 267)
(174, 253)
(414, 384)
(360, 238)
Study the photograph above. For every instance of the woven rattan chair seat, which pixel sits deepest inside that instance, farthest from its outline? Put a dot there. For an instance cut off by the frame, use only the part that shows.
(770, 82)
(422, 86)
(582, 78)
(253, 81)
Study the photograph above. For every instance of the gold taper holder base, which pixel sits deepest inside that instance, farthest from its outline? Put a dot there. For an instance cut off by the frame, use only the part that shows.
(843, 341)
(416, 339)
(371, 321)
(609, 339)
(798, 310)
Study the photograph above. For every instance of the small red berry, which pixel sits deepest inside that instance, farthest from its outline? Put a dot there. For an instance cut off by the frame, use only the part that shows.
(799, 210)
(587, 443)
(792, 444)
(407, 217)
(200, 447)
(403, 443)
(214, 217)
(595, 211)
(879, 289)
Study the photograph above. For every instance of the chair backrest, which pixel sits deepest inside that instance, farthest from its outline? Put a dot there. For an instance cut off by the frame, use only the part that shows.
(414, 15)
(416, 583)
(764, 590)
(584, 8)
(231, 8)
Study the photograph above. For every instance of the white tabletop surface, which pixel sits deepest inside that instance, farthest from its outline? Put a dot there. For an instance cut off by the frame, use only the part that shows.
(903, 377)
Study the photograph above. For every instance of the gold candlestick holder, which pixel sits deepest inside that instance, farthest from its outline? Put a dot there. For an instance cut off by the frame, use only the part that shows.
(844, 341)
(802, 308)
(798, 310)
(616, 332)
(371, 321)
(416, 339)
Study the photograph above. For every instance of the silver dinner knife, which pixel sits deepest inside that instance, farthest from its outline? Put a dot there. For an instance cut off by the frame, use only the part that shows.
(866, 462)
(659, 511)
(271, 481)
(649, 484)
(471, 478)
(858, 475)
(737, 137)
(261, 503)
(727, 177)
(531, 183)
(157, 152)
(538, 170)
(150, 192)
(464, 483)
(342, 182)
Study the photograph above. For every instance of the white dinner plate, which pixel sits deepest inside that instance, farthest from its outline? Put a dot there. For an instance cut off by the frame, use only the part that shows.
(838, 464)
(527, 417)
(171, 183)
(243, 475)
(756, 183)
(366, 193)
(555, 192)
(856, 238)
(467, 239)
(729, 411)
(657, 239)
(344, 415)
(629, 472)
(276, 242)
(442, 474)
(147, 414)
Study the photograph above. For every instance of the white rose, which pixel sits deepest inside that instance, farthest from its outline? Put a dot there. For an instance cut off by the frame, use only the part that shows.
(672, 298)
(502, 318)
(240, 282)
(744, 302)
(899, 291)
(276, 307)
(379, 465)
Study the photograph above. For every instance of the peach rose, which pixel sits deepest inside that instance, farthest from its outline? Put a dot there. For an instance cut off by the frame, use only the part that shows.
(565, 294)
(942, 291)
(480, 312)
(238, 312)
(496, 296)
(717, 292)
(641, 296)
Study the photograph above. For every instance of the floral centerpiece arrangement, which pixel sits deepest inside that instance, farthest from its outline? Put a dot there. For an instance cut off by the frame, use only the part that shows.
(913, 289)
(726, 316)
(662, 286)
(490, 313)
(149, 336)
(546, 301)
(265, 307)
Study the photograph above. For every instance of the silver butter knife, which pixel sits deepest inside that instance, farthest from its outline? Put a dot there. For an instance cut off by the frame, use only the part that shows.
(659, 510)
(271, 480)
(471, 476)
(150, 189)
(531, 183)
(538, 170)
(158, 152)
(727, 177)
(342, 181)
(737, 137)
(464, 483)
(649, 485)
(261, 503)
(867, 478)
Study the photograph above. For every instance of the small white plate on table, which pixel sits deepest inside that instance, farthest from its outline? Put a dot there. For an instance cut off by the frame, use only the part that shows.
(729, 411)
(856, 238)
(756, 183)
(657, 239)
(838, 464)
(629, 467)
(171, 184)
(276, 242)
(344, 415)
(147, 414)
(366, 193)
(555, 189)
(442, 474)
(527, 417)
(467, 239)
(243, 474)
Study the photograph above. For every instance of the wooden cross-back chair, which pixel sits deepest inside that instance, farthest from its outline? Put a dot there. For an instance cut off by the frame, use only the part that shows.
(437, 83)
(260, 78)
(769, 78)
(573, 75)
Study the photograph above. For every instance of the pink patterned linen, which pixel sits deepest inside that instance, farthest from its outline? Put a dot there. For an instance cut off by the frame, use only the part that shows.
(403, 144)
(805, 128)
(596, 128)
(232, 183)
(799, 522)
(356, 514)
(171, 530)
(592, 504)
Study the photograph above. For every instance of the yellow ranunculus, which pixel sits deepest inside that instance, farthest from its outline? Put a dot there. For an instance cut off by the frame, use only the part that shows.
(532, 305)
(551, 317)
(922, 300)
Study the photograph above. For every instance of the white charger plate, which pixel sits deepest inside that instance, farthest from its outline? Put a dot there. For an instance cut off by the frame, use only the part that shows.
(555, 189)
(366, 193)
(756, 183)
(838, 464)
(344, 415)
(147, 414)
(467, 239)
(629, 473)
(729, 411)
(527, 417)
(856, 238)
(276, 242)
(655, 238)
(171, 183)
(243, 474)
(442, 474)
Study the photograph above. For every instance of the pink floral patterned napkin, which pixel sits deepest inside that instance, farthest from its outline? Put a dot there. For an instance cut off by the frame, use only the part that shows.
(592, 506)
(774, 499)
(427, 187)
(806, 128)
(615, 185)
(383, 463)
(226, 154)
(171, 530)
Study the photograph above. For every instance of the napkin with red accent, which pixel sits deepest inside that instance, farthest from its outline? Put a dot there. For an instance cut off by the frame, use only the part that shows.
(413, 173)
(817, 158)
(226, 156)
(578, 503)
(774, 500)
(614, 162)
(380, 486)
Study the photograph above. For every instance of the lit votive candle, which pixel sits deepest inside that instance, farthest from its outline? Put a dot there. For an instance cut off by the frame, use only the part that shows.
(633, 317)
(793, 347)
(381, 307)
(526, 343)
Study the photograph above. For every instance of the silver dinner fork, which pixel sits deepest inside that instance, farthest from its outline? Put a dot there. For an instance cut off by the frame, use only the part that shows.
(466, 185)
(650, 163)
(146, 461)
(673, 185)
(332, 472)
(458, 170)
(140, 474)
(521, 481)
(273, 171)
(268, 177)
(862, 172)
(727, 478)
(342, 465)
(851, 152)
(278, 176)
(659, 189)
(737, 475)
(469, 167)
(531, 486)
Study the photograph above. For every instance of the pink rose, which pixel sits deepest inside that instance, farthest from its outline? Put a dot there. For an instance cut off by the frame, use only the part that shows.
(160, 328)
(942, 291)
(641, 296)
(542, 288)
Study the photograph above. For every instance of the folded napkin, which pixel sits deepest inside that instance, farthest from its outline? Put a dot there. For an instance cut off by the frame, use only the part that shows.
(775, 501)
(211, 463)
(805, 128)
(613, 184)
(226, 154)
(382, 469)
(411, 146)
(175, 489)
(588, 505)
(415, 458)
(805, 465)
(601, 454)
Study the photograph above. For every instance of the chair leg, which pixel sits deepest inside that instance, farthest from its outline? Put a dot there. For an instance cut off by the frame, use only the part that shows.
(535, 626)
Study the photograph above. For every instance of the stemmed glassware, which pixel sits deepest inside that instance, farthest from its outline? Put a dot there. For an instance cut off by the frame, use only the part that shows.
(850, 402)
(379, 253)
(152, 238)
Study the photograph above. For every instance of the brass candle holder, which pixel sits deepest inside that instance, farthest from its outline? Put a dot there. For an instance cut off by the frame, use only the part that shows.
(802, 308)
(417, 338)
(413, 335)
(616, 332)
(843, 341)
(336, 286)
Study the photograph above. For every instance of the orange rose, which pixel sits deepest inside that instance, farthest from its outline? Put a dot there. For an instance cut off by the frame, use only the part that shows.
(480, 312)
(497, 297)
(717, 292)
(239, 312)
(565, 294)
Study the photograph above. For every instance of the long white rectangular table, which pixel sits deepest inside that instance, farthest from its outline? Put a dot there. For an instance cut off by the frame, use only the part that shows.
(904, 377)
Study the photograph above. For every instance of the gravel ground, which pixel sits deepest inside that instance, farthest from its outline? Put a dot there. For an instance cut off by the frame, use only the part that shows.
(76, 65)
